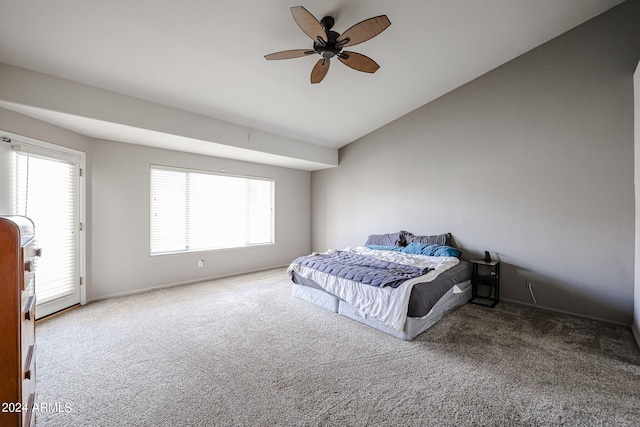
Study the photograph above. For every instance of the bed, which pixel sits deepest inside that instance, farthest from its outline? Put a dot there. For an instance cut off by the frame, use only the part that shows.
(398, 283)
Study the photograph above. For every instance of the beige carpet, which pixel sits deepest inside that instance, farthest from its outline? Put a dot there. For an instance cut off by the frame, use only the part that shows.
(243, 351)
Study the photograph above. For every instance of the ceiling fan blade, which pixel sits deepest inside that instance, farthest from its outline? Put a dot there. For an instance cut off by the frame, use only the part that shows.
(365, 30)
(289, 54)
(308, 23)
(359, 62)
(319, 70)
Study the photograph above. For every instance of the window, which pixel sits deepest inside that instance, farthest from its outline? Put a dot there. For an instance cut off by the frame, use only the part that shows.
(196, 210)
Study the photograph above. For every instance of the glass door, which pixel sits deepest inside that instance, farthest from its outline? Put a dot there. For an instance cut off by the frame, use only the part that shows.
(48, 191)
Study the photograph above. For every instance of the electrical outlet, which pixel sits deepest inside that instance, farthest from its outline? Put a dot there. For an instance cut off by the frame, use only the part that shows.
(201, 263)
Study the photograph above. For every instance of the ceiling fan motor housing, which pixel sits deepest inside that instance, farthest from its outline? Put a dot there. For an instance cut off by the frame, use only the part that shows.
(331, 48)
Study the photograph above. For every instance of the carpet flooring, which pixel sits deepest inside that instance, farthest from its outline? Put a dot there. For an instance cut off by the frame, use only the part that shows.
(243, 351)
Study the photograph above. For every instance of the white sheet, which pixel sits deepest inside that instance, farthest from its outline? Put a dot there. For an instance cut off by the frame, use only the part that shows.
(386, 304)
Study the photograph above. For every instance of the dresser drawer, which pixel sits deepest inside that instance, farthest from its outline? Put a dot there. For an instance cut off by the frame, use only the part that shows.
(29, 372)
(29, 417)
(31, 251)
(27, 330)
(30, 254)
(28, 352)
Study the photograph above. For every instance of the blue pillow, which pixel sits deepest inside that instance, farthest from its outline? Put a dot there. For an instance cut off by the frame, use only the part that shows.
(431, 250)
(417, 248)
(444, 250)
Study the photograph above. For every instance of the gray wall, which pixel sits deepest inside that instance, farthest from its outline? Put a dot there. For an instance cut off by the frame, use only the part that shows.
(532, 161)
(118, 260)
(636, 298)
(121, 221)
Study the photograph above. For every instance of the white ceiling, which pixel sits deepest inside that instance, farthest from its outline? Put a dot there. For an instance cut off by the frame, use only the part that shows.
(207, 56)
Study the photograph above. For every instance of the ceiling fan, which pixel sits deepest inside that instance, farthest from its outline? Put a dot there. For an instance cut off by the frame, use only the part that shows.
(329, 44)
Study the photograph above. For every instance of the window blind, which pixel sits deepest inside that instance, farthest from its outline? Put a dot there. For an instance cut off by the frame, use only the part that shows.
(46, 192)
(195, 210)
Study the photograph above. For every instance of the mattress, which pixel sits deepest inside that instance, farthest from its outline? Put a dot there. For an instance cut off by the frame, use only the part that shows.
(428, 302)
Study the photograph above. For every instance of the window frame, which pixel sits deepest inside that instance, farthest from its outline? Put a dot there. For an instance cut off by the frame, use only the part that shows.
(213, 247)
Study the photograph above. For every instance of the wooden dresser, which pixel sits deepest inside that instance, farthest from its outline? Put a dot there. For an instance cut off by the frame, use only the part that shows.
(18, 258)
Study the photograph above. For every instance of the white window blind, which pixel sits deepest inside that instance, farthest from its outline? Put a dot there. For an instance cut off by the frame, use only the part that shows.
(46, 192)
(196, 210)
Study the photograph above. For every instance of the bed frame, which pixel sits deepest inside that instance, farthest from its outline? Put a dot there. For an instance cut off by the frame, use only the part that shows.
(455, 297)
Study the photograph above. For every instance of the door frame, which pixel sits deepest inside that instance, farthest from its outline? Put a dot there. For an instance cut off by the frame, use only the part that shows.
(42, 147)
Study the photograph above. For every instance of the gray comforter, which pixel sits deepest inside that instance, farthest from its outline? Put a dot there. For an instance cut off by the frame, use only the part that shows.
(360, 268)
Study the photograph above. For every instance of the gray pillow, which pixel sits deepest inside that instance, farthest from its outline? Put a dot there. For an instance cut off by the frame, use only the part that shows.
(389, 239)
(436, 239)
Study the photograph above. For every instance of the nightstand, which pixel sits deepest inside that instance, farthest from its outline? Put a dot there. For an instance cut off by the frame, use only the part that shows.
(486, 278)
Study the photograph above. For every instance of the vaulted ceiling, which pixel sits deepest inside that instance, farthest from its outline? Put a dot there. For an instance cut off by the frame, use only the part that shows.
(192, 75)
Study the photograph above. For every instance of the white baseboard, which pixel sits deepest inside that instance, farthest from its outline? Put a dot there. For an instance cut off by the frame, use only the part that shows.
(171, 285)
(568, 313)
(636, 334)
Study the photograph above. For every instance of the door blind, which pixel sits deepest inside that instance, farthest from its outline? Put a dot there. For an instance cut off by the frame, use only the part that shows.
(46, 192)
